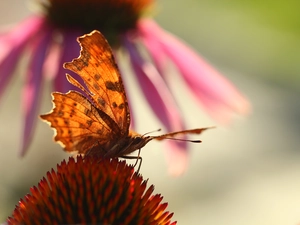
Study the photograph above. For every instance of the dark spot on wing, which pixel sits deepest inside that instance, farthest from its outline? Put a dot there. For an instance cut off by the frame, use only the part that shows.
(97, 76)
(87, 112)
(84, 56)
(113, 86)
(60, 113)
(96, 86)
(114, 104)
(82, 62)
(72, 113)
(121, 106)
(100, 131)
(101, 101)
(89, 122)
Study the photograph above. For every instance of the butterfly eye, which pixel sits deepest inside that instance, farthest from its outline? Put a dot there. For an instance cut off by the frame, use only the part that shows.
(137, 140)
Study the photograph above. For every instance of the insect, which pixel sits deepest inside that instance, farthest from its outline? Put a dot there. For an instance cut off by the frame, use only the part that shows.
(97, 123)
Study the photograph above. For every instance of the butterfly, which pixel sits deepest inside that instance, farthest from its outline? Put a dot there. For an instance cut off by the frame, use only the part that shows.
(97, 123)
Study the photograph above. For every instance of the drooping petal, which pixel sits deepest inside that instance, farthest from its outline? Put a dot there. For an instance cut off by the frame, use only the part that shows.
(218, 96)
(31, 92)
(177, 157)
(162, 103)
(51, 64)
(7, 66)
(12, 45)
(153, 47)
(20, 34)
(154, 88)
(118, 58)
(69, 51)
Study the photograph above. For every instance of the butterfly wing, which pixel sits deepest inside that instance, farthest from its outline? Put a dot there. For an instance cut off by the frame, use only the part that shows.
(99, 71)
(79, 125)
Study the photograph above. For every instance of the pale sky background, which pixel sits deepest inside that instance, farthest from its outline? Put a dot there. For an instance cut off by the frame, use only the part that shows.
(246, 173)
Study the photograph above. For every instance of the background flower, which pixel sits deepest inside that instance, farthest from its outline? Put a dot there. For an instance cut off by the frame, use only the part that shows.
(254, 162)
(50, 37)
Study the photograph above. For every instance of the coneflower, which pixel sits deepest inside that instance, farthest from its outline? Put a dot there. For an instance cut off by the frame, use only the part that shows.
(49, 38)
(91, 191)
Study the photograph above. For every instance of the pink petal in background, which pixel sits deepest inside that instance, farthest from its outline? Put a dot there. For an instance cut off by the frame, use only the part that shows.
(32, 89)
(163, 105)
(218, 96)
(69, 51)
(13, 44)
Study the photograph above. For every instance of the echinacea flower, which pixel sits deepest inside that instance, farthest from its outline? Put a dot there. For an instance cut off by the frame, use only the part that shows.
(92, 191)
(50, 38)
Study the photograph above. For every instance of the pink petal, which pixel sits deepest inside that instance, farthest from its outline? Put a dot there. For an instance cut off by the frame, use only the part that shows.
(21, 34)
(51, 64)
(153, 47)
(7, 66)
(69, 51)
(177, 157)
(32, 89)
(155, 89)
(132, 112)
(12, 45)
(163, 105)
(211, 89)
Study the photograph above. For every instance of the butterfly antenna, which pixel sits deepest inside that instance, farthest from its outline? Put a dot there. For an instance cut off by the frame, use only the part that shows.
(151, 132)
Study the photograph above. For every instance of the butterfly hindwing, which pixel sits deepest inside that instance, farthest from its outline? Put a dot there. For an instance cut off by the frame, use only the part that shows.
(78, 124)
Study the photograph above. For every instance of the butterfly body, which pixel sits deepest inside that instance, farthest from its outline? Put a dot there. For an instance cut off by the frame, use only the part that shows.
(96, 121)
(122, 147)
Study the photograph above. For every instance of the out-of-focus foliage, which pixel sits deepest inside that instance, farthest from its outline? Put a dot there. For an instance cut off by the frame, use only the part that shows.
(259, 38)
(283, 15)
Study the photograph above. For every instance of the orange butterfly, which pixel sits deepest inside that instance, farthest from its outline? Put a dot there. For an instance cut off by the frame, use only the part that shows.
(99, 123)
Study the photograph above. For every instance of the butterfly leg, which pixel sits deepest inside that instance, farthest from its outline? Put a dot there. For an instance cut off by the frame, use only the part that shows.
(138, 157)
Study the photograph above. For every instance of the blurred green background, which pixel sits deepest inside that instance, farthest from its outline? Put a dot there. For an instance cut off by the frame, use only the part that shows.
(245, 173)
(259, 38)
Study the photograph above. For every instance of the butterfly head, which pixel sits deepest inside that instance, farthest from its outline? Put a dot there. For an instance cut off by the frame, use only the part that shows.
(138, 141)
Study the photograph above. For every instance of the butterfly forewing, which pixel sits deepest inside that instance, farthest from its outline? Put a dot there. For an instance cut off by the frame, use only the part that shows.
(99, 71)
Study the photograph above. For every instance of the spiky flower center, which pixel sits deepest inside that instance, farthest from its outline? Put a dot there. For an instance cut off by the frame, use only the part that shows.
(90, 191)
